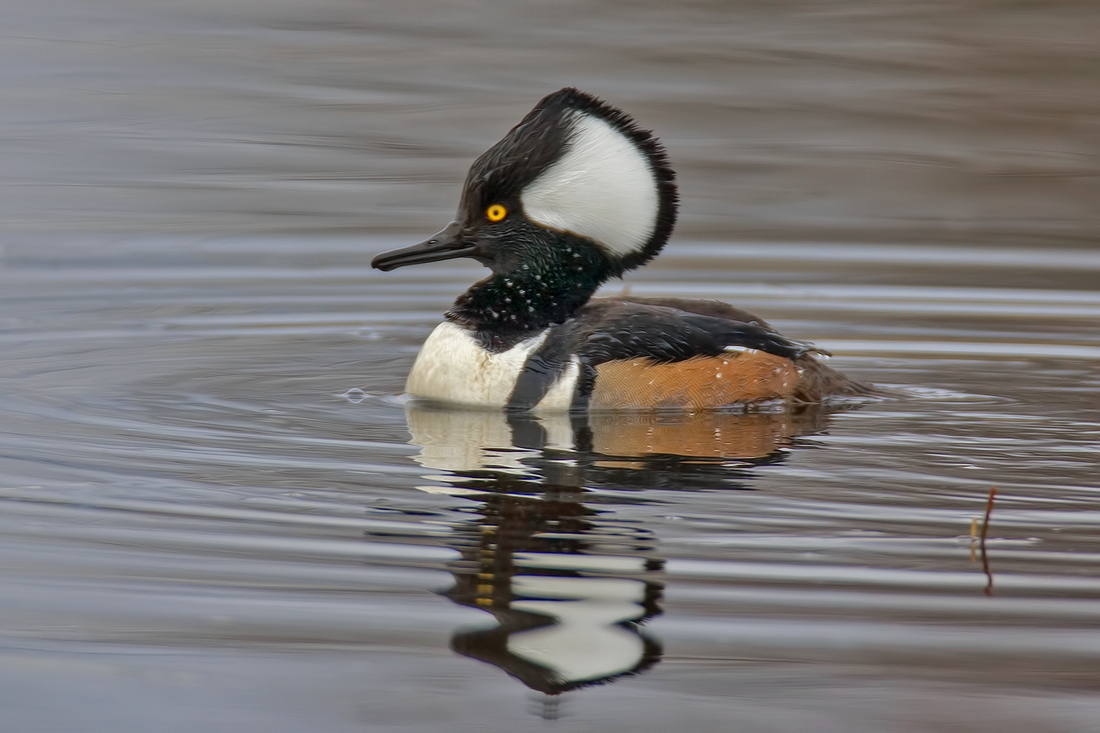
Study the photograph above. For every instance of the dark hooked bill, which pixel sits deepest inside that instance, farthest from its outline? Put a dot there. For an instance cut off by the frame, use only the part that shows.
(447, 244)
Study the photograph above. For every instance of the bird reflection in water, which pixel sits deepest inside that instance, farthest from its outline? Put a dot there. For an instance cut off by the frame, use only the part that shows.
(568, 584)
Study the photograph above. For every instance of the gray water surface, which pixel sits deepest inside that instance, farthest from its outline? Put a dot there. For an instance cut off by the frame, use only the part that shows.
(218, 511)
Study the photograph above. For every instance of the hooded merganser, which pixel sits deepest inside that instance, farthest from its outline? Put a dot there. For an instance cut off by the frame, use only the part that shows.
(574, 195)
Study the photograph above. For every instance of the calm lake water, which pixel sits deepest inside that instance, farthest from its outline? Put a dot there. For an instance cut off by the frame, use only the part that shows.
(218, 512)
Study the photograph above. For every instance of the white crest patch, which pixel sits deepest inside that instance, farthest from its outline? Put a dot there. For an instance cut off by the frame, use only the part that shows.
(602, 188)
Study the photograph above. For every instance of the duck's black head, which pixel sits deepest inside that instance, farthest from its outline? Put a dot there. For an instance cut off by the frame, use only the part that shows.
(574, 194)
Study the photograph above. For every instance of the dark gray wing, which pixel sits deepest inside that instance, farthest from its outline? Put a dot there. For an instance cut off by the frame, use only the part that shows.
(611, 329)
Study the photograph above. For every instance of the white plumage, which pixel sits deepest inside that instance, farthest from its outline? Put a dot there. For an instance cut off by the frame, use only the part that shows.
(453, 367)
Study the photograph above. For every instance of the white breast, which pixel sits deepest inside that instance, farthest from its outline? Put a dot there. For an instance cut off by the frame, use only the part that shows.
(453, 367)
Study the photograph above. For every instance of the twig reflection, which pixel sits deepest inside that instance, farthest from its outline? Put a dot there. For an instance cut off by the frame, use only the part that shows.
(980, 540)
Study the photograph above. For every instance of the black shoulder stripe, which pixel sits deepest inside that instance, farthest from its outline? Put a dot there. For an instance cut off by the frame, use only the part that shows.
(541, 370)
(536, 379)
(586, 382)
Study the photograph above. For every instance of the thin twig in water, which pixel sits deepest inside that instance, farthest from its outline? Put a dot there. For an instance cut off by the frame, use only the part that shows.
(985, 532)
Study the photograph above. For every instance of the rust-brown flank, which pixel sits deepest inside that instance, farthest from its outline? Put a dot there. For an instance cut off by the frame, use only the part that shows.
(736, 377)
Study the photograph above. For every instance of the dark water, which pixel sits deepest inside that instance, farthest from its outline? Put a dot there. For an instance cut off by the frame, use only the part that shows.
(217, 512)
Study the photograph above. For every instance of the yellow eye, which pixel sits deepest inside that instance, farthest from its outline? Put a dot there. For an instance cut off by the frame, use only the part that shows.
(496, 212)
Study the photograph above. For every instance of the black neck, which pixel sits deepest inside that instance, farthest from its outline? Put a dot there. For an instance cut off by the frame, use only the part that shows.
(505, 309)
